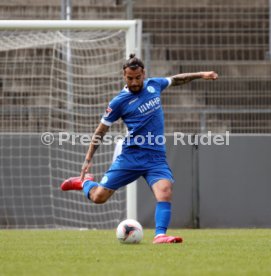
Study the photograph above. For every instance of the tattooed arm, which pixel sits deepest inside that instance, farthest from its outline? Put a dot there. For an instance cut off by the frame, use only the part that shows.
(187, 77)
(93, 146)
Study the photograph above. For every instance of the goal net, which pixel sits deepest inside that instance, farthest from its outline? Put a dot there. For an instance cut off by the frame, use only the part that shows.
(56, 81)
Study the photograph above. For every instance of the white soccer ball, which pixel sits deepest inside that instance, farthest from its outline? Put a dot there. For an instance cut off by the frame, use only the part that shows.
(129, 231)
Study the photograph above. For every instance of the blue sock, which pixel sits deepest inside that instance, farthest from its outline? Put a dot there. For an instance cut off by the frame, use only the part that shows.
(88, 185)
(162, 217)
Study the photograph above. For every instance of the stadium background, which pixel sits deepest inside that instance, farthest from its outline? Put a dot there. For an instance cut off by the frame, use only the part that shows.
(215, 186)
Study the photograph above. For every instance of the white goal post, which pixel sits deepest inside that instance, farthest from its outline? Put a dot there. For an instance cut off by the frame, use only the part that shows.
(132, 30)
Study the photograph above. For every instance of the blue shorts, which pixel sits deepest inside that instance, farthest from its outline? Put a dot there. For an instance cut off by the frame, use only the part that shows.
(134, 162)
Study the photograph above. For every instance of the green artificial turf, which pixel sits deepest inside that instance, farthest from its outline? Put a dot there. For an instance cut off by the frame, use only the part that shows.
(90, 252)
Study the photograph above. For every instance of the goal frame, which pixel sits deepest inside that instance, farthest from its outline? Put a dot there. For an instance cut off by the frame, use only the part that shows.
(133, 38)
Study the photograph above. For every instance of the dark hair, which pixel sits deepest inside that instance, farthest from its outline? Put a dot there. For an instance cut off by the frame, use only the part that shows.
(133, 62)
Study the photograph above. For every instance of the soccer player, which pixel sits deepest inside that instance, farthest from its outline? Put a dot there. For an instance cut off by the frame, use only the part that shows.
(139, 106)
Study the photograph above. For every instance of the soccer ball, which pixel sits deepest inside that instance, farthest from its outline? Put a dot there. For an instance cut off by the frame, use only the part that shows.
(129, 231)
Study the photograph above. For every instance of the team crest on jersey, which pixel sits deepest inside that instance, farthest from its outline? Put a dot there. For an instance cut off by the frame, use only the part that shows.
(151, 89)
(104, 179)
(107, 111)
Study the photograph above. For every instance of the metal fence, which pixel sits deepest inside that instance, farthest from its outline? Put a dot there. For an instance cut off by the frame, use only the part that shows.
(230, 37)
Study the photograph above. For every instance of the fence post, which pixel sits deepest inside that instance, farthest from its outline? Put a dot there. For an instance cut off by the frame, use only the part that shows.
(129, 9)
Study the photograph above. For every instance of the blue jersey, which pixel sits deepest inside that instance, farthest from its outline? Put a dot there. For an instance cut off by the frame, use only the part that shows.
(142, 113)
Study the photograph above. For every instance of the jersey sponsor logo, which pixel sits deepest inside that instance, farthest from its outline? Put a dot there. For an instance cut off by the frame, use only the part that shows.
(151, 89)
(151, 104)
(107, 112)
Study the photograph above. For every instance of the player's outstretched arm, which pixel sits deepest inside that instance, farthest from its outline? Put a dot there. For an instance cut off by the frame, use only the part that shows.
(187, 77)
(96, 140)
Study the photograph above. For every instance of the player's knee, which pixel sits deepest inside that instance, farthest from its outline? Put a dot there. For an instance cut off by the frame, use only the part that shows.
(163, 192)
(100, 195)
(166, 191)
(98, 198)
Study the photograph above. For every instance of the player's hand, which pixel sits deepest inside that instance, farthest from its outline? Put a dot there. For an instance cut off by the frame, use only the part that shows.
(210, 75)
(85, 168)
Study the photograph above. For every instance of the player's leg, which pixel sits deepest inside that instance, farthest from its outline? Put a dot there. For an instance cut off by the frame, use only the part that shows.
(121, 173)
(100, 192)
(111, 181)
(160, 180)
(162, 190)
(93, 190)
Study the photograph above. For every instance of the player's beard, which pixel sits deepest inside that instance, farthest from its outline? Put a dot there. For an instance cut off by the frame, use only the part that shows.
(136, 89)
